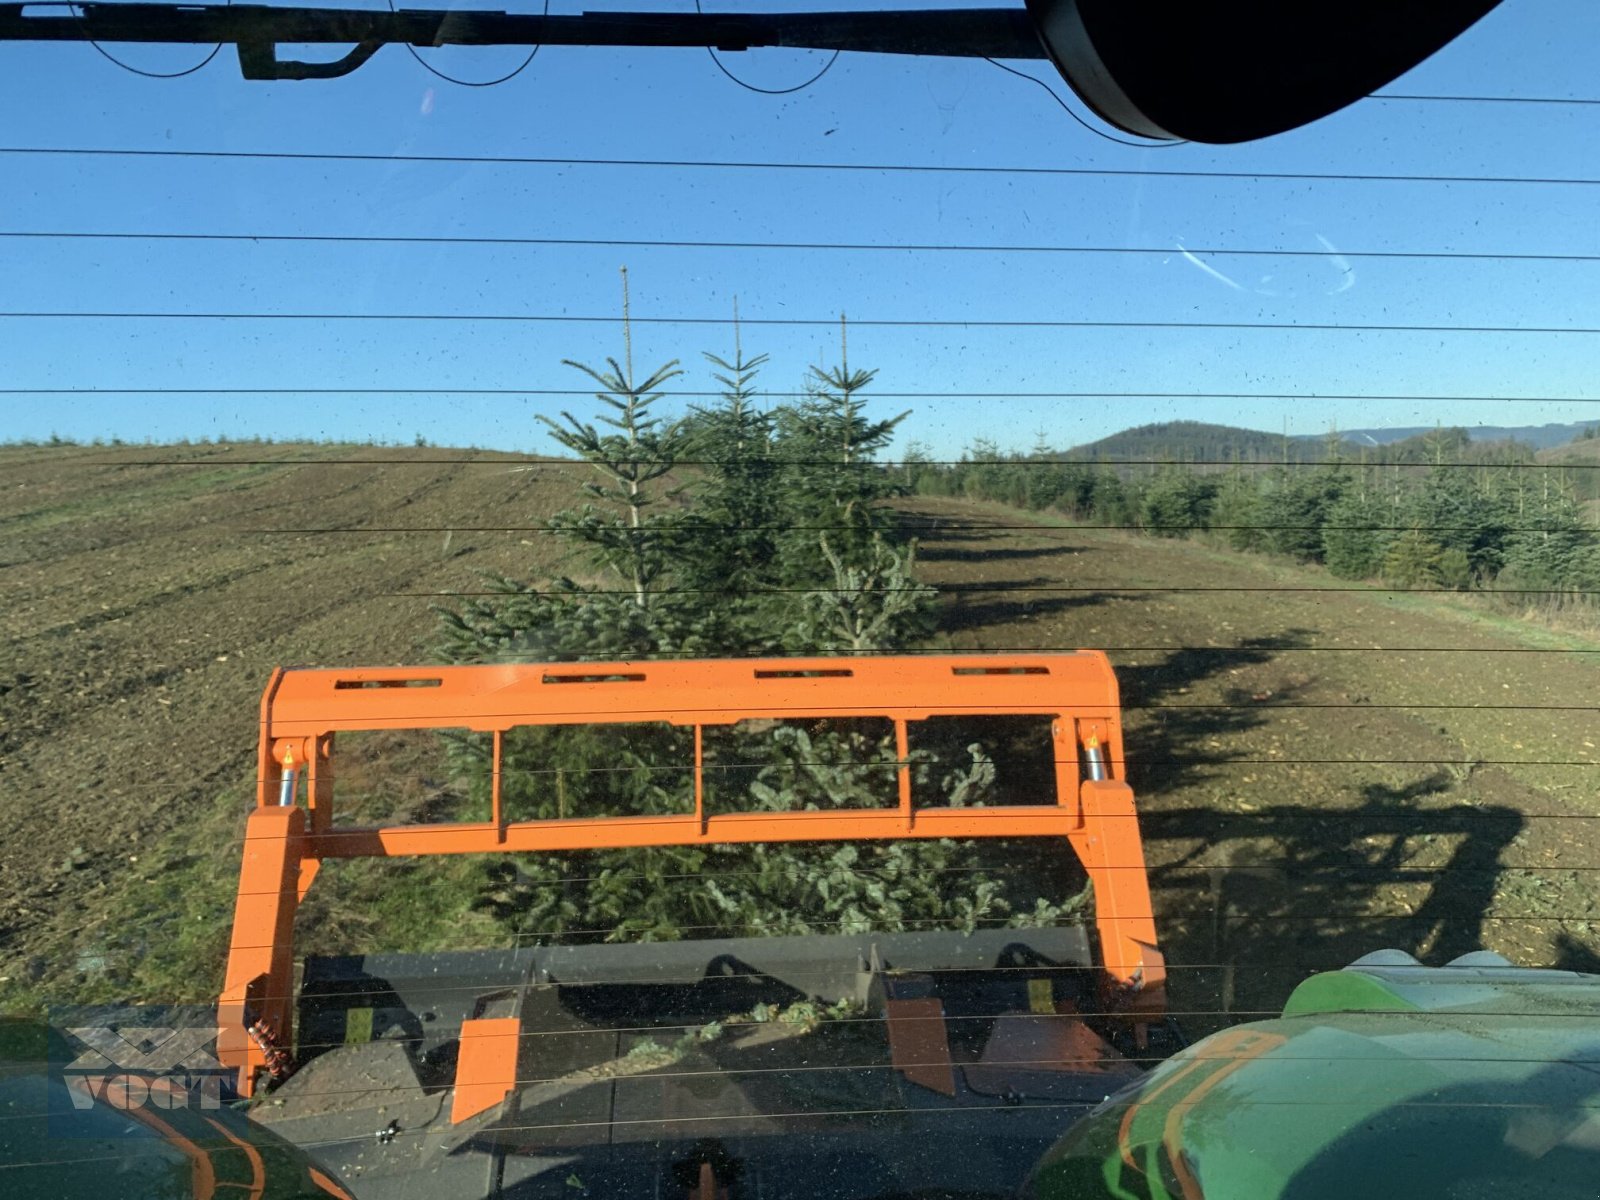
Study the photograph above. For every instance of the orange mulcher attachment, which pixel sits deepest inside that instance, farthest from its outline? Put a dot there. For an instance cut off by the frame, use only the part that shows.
(287, 840)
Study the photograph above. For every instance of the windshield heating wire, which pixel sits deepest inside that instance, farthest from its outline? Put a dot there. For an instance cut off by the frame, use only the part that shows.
(1193, 649)
(1382, 818)
(1266, 968)
(890, 765)
(975, 527)
(207, 455)
(1423, 917)
(507, 456)
(1165, 874)
(728, 165)
(1581, 101)
(1398, 877)
(853, 247)
(1109, 588)
(870, 1066)
(1360, 1102)
(795, 322)
(76, 9)
(472, 83)
(711, 1122)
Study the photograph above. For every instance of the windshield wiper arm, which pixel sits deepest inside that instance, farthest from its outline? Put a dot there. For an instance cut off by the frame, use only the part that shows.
(257, 30)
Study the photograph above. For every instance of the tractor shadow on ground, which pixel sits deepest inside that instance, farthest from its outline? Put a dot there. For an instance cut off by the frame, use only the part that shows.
(1271, 896)
(1248, 903)
(1573, 955)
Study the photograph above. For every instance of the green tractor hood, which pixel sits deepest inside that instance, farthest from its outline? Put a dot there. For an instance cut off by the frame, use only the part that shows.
(1387, 1079)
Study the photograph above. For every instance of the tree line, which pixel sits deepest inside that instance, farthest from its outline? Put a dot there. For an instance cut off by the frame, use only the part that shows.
(1429, 513)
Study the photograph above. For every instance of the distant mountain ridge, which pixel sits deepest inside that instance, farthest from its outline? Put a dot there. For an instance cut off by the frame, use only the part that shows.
(1540, 437)
(1199, 441)
(1195, 441)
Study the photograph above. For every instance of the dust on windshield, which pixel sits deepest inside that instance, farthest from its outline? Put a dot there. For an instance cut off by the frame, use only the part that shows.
(837, 610)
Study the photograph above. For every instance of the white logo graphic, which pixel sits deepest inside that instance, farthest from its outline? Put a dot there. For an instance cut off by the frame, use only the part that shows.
(133, 1066)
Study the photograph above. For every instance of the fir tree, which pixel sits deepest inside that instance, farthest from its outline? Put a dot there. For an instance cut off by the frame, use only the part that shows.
(1412, 561)
(1178, 502)
(1237, 512)
(1294, 507)
(871, 603)
(1458, 514)
(830, 483)
(1354, 540)
(624, 535)
(728, 540)
(1551, 542)
(847, 585)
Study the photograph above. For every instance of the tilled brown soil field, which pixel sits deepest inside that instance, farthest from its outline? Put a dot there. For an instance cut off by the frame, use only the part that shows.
(1322, 772)
(149, 592)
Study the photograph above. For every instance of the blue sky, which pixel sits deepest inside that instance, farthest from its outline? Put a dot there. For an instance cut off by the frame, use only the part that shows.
(868, 111)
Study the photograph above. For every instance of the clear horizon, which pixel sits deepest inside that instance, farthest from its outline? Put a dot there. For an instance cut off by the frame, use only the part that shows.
(895, 453)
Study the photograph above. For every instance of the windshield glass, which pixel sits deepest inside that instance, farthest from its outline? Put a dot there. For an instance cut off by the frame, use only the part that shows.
(856, 608)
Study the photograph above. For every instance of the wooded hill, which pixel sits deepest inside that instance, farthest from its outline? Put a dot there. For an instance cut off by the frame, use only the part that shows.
(1217, 447)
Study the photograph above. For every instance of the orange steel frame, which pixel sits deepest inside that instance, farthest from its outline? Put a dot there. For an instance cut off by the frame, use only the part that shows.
(302, 711)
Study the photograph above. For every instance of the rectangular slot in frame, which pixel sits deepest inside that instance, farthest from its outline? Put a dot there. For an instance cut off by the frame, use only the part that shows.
(359, 685)
(814, 673)
(999, 670)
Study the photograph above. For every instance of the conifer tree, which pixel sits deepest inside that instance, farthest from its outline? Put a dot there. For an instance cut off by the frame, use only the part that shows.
(631, 462)
(1355, 541)
(871, 603)
(727, 542)
(1237, 512)
(1551, 543)
(1178, 502)
(831, 483)
(1457, 514)
(709, 578)
(1412, 561)
(1294, 508)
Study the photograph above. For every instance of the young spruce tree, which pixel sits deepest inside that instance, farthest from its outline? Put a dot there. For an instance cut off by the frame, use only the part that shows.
(726, 536)
(727, 541)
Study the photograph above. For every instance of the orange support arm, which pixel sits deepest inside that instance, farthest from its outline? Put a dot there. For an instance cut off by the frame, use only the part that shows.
(303, 709)
(259, 985)
(1107, 843)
